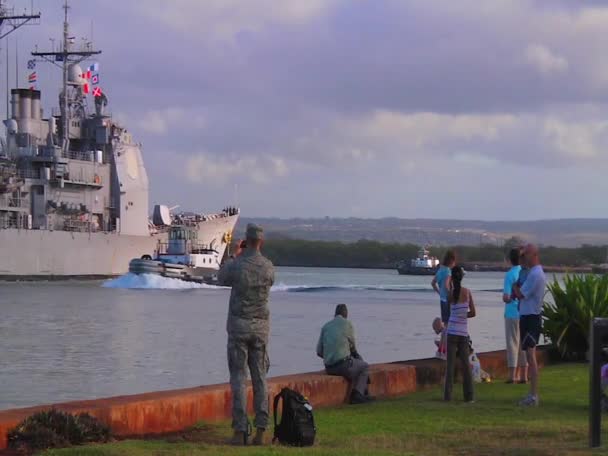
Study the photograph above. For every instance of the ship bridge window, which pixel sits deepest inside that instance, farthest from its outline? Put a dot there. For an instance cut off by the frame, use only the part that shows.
(177, 235)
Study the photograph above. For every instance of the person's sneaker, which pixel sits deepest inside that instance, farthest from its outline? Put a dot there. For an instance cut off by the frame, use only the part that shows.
(529, 401)
(239, 438)
(259, 437)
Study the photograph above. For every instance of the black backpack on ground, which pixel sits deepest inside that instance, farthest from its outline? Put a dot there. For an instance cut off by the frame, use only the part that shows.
(297, 426)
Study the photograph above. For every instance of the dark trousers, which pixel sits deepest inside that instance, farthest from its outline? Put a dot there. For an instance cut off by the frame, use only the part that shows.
(355, 370)
(460, 344)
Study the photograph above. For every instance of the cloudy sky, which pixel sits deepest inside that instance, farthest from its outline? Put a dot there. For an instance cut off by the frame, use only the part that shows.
(368, 108)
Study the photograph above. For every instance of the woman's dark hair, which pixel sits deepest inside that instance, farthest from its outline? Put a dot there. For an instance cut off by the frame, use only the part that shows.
(514, 256)
(457, 275)
(449, 258)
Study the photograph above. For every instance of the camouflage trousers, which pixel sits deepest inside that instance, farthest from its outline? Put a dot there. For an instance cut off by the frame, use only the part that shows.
(248, 351)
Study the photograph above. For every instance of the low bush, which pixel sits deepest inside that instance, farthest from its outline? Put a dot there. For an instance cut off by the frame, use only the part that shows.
(56, 429)
(569, 314)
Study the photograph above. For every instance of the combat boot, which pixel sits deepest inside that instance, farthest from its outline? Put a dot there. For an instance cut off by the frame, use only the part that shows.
(259, 437)
(357, 398)
(239, 438)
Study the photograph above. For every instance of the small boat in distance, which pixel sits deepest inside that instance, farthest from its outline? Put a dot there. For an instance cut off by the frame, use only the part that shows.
(423, 264)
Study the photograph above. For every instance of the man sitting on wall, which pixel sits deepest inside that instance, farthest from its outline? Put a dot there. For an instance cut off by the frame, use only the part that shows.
(337, 348)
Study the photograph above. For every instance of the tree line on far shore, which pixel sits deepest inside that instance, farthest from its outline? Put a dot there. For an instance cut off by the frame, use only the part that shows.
(372, 254)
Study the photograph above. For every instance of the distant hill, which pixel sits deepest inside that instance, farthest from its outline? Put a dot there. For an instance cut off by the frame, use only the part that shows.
(559, 232)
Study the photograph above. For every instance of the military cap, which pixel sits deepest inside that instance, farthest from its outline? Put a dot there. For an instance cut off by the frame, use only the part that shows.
(254, 231)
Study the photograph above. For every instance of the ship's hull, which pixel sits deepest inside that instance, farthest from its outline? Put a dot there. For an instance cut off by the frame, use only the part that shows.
(55, 254)
(45, 254)
(213, 232)
(408, 270)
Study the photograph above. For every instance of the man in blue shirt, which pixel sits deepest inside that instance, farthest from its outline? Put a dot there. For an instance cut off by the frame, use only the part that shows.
(531, 295)
(515, 356)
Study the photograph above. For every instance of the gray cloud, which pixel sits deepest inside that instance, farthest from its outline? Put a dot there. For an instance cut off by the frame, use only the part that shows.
(334, 106)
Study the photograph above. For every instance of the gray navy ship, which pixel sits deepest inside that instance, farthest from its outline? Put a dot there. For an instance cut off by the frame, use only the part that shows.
(73, 185)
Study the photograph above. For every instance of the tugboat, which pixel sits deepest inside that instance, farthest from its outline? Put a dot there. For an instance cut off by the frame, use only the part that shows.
(184, 256)
(423, 264)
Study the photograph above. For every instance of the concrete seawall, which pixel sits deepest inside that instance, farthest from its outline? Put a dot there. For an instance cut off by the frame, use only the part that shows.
(169, 411)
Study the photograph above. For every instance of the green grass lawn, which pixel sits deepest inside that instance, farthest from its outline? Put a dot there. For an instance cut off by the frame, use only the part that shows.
(418, 424)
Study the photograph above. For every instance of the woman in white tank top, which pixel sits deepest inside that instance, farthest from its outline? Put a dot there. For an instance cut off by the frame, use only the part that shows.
(462, 308)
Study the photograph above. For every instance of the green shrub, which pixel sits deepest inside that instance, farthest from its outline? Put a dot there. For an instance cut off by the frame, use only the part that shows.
(56, 429)
(573, 307)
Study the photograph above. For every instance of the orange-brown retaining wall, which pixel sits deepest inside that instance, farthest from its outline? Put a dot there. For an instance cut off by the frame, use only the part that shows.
(168, 411)
(430, 371)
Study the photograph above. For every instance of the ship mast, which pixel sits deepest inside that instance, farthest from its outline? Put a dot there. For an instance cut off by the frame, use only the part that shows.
(67, 57)
(15, 21)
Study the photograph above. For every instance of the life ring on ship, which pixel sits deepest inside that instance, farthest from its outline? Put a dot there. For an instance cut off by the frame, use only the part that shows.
(97, 179)
(227, 238)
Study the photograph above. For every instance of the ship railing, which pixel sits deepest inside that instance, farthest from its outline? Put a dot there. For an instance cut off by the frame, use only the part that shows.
(79, 155)
(12, 201)
(28, 173)
(190, 248)
(8, 223)
(56, 112)
(79, 225)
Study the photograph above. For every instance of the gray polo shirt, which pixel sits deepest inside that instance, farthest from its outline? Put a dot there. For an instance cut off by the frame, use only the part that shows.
(533, 290)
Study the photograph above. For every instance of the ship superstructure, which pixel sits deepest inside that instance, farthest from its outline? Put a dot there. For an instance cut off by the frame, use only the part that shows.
(73, 185)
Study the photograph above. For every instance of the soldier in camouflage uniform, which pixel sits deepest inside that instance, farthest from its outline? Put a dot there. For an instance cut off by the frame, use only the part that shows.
(250, 275)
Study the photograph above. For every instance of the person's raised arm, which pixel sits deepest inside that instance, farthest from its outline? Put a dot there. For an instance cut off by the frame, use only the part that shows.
(472, 311)
(225, 276)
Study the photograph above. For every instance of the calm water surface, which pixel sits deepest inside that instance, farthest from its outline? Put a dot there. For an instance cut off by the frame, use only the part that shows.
(75, 340)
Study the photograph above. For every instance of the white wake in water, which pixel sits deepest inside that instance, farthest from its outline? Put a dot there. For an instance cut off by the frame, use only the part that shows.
(152, 282)
(347, 287)
(156, 282)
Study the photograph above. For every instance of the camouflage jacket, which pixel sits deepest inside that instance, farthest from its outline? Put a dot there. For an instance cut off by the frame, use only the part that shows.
(250, 275)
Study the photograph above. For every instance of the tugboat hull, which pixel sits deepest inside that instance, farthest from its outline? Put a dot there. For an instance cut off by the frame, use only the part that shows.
(405, 270)
(183, 272)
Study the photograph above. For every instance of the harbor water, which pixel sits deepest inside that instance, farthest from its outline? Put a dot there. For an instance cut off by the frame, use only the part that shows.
(73, 340)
